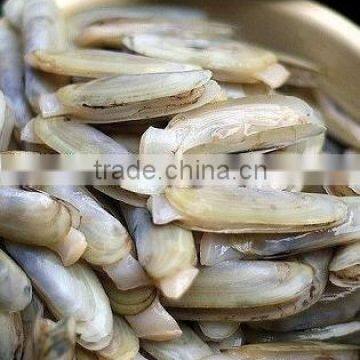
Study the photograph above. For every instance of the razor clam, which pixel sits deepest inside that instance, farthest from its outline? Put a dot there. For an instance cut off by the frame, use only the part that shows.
(154, 323)
(30, 141)
(99, 63)
(167, 253)
(71, 137)
(11, 336)
(329, 310)
(52, 341)
(132, 97)
(347, 333)
(42, 28)
(142, 310)
(15, 287)
(243, 125)
(124, 344)
(108, 242)
(345, 266)
(35, 218)
(13, 11)
(72, 291)
(110, 33)
(11, 74)
(298, 351)
(217, 331)
(253, 290)
(187, 347)
(221, 247)
(207, 209)
(341, 126)
(6, 123)
(230, 61)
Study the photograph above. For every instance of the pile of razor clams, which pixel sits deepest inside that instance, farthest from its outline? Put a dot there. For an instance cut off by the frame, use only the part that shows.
(144, 270)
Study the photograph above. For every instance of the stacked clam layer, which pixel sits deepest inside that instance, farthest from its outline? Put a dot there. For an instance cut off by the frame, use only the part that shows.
(144, 270)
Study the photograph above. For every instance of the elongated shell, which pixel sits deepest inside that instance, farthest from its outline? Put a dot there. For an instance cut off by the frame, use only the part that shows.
(6, 123)
(107, 239)
(221, 247)
(11, 73)
(347, 333)
(124, 344)
(112, 32)
(299, 351)
(133, 97)
(345, 267)
(15, 287)
(99, 63)
(73, 291)
(251, 210)
(248, 124)
(43, 220)
(244, 301)
(246, 284)
(230, 61)
(42, 28)
(11, 336)
(167, 253)
(187, 347)
(327, 311)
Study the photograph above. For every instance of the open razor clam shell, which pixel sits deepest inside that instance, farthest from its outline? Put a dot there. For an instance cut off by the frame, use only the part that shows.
(230, 61)
(133, 97)
(89, 63)
(154, 323)
(11, 336)
(329, 310)
(11, 74)
(167, 253)
(341, 126)
(299, 351)
(45, 221)
(124, 344)
(310, 275)
(110, 33)
(243, 125)
(208, 210)
(222, 247)
(187, 347)
(346, 333)
(7, 121)
(15, 287)
(217, 331)
(72, 291)
(345, 266)
(107, 239)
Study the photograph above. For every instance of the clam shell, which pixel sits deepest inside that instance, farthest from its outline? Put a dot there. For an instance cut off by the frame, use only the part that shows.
(229, 60)
(208, 209)
(99, 63)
